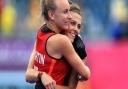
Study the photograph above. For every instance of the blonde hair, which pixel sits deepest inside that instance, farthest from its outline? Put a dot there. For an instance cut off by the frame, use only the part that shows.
(47, 5)
(75, 8)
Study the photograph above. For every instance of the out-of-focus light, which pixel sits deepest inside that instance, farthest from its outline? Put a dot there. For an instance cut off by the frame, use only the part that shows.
(8, 19)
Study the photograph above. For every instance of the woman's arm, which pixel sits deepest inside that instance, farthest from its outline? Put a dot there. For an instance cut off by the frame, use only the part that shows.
(67, 50)
(31, 73)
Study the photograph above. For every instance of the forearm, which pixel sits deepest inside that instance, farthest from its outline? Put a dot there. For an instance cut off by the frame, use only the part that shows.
(85, 73)
(31, 73)
(64, 87)
(82, 68)
(32, 77)
(74, 60)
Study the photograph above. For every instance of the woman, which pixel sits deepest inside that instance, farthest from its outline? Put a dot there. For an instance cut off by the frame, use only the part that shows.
(32, 74)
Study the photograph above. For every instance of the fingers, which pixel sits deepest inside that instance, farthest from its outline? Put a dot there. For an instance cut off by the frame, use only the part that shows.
(54, 83)
(51, 85)
(48, 82)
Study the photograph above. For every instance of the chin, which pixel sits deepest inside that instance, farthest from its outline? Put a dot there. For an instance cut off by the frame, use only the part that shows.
(72, 40)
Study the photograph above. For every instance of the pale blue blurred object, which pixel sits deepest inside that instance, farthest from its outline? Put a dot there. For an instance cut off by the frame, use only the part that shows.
(14, 80)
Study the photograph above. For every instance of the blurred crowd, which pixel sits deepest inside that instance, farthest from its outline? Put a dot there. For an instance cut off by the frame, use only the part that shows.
(106, 19)
(20, 20)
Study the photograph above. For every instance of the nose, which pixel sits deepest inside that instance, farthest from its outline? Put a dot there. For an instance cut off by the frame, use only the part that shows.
(69, 15)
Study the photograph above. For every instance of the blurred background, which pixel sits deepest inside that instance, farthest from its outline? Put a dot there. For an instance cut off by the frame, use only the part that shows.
(105, 34)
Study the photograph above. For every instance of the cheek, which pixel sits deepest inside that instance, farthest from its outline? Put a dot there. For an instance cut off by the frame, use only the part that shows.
(79, 31)
(59, 20)
(63, 17)
(71, 27)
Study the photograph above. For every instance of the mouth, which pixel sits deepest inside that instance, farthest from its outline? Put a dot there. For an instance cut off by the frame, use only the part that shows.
(73, 35)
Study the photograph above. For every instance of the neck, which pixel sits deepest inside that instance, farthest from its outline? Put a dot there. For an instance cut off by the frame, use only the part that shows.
(53, 27)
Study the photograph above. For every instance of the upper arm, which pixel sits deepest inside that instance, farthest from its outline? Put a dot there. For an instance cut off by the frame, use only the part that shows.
(65, 48)
(60, 43)
(31, 58)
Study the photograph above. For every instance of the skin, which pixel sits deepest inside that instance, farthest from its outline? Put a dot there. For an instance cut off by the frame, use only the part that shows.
(61, 17)
(75, 26)
(74, 29)
(61, 43)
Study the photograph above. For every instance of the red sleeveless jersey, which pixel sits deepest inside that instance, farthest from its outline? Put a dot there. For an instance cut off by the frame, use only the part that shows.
(56, 68)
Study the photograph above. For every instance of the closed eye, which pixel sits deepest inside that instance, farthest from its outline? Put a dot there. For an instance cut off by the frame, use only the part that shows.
(66, 11)
(73, 23)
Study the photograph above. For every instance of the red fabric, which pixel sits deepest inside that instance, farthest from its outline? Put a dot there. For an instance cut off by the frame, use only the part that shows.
(56, 68)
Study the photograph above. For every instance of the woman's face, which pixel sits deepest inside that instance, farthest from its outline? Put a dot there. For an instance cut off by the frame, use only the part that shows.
(74, 26)
(62, 15)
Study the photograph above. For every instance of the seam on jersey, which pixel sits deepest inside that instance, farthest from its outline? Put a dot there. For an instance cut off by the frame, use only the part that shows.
(52, 66)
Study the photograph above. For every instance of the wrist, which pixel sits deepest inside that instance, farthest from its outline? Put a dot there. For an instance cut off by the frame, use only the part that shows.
(39, 75)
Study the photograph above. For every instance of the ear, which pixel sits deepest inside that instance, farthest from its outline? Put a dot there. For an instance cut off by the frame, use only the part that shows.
(51, 14)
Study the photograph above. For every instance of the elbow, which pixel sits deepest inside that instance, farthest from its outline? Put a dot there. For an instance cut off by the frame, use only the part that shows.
(28, 78)
(88, 73)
